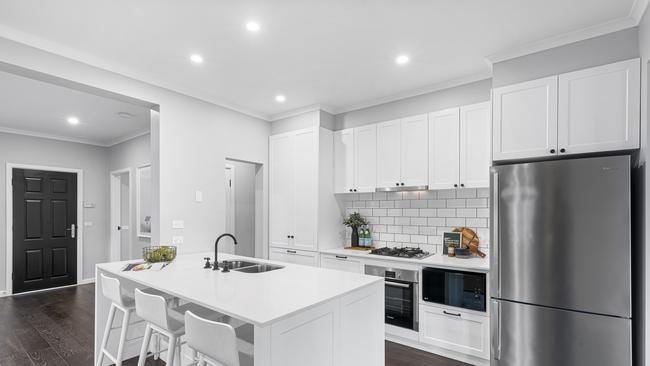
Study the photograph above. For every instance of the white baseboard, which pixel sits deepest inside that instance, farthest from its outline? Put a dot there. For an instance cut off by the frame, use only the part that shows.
(86, 281)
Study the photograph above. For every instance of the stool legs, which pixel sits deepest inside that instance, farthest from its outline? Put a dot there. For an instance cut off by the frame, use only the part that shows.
(171, 350)
(125, 327)
(107, 330)
(145, 345)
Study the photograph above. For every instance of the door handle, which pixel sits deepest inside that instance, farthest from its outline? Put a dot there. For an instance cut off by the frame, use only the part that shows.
(494, 239)
(73, 230)
(495, 321)
(397, 284)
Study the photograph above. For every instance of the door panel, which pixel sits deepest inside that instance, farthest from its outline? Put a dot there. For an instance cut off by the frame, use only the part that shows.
(599, 108)
(305, 157)
(567, 244)
(538, 336)
(365, 158)
(415, 151)
(444, 134)
(525, 120)
(475, 146)
(44, 210)
(281, 182)
(389, 153)
(344, 161)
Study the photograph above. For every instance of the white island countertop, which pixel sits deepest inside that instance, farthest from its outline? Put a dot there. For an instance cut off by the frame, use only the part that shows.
(256, 298)
(437, 260)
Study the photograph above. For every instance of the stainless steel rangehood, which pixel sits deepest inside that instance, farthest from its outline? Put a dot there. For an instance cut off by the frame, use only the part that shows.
(401, 188)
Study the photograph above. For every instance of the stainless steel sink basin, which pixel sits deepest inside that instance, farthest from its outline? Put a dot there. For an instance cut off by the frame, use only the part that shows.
(237, 264)
(259, 268)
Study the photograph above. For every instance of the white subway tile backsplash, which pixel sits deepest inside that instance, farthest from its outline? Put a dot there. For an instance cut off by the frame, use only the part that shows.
(420, 218)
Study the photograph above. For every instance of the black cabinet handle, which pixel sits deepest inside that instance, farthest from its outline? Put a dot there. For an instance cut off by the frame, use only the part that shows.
(462, 185)
(355, 190)
(552, 151)
(402, 183)
(292, 236)
(397, 184)
(562, 150)
(350, 189)
(288, 236)
(456, 185)
(452, 314)
(291, 251)
(341, 257)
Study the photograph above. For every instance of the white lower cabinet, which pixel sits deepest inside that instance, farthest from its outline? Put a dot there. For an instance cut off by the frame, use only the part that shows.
(341, 263)
(294, 256)
(455, 330)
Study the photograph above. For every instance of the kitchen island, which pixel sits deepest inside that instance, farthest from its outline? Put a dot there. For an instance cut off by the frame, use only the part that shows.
(301, 315)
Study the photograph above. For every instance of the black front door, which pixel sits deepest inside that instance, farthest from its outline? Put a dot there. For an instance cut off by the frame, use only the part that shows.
(44, 238)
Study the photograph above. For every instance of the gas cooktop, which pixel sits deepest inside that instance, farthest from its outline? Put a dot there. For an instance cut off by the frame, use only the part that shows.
(405, 252)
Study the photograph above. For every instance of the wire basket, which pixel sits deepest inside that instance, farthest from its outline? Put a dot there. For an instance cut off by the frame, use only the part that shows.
(158, 254)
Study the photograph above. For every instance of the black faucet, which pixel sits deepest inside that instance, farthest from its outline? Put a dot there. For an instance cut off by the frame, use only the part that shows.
(216, 246)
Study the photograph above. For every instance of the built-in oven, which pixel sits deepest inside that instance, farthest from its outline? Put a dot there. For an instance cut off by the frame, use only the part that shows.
(401, 295)
(454, 288)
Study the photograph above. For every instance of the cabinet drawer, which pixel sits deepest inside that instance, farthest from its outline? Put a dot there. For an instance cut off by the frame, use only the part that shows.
(340, 262)
(294, 256)
(458, 331)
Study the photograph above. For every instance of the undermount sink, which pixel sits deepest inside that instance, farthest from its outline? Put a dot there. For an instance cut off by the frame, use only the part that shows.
(237, 264)
(259, 268)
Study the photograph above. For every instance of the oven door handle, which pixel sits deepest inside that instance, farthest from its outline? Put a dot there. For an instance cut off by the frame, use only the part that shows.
(397, 284)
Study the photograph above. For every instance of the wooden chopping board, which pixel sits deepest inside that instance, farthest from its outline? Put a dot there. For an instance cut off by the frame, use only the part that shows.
(470, 240)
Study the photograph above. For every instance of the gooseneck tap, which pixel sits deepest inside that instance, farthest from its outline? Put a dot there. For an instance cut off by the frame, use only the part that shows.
(216, 247)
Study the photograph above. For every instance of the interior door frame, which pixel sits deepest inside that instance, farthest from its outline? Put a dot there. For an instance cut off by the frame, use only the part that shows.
(10, 218)
(230, 206)
(116, 209)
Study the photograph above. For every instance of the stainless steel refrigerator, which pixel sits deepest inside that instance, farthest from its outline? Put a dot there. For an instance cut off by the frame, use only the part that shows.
(561, 263)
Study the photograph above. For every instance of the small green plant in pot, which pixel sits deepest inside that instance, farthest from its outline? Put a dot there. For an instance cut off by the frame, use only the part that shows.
(355, 221)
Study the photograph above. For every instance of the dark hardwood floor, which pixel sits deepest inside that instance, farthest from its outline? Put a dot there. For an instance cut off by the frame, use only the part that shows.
(56, 328)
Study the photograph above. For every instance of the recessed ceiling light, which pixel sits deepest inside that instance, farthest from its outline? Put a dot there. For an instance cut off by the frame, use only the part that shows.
(73, 120)
(280, 98)
(253, 26)
(402, 59)
(196, 58)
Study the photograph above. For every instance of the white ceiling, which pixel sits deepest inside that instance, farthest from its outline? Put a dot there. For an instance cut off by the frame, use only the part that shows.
(32, 107)
(337, 53)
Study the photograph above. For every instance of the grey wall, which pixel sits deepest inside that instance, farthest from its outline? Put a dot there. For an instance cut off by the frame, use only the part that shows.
(92, 160)
(132, 154)
(471, 93)
(244, 207)
(609, 48)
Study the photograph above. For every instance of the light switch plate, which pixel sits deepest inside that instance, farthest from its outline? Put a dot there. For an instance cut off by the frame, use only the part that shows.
(178, 224)
(177, 240)
(198, 196)
(89, 205)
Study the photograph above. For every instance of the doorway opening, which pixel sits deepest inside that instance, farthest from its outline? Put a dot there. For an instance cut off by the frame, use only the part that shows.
(243, 202)
(121, 197)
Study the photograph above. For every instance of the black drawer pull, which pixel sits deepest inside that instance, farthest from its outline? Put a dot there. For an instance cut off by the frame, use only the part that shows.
(291, 251)
(341, 257)
(452, 314)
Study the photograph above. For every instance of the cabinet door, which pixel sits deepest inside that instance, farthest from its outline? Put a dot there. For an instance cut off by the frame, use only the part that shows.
(294, 256)
(344, 161)
(281, 188)
(444, 130)
(305, 203)
(475, 145)
(599, 109)
(365, 158)
(389, 153)
(525, 120)
(415, 151)
(455, 330)
(340, 262)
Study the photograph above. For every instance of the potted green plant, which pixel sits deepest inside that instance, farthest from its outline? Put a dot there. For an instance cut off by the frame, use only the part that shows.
(355, 221)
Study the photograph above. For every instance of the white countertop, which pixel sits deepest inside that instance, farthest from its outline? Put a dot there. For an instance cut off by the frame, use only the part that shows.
(257, 298)
(438, 260)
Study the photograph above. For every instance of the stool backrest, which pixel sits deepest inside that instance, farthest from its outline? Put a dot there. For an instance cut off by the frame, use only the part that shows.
(213, 339)
(111, 289)
(152, 308)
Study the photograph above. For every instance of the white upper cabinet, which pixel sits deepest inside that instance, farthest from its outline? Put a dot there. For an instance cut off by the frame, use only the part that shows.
(281, 184)
(389, 135)
(365, 158)
(444, 139)
(599, 108)
(415, 151)
(525, 120)
(475, 145)
(344, 161)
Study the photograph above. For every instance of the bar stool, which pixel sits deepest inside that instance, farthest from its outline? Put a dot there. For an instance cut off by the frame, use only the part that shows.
(112, 290)
(202, 336)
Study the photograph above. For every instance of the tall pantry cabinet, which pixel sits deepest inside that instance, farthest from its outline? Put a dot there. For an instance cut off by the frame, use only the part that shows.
(303, 213)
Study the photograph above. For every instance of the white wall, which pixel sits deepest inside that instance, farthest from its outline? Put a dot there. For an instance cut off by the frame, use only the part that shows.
(296, 122)
(194, 139)
(471, 93)
(92, 160)
(130, 155)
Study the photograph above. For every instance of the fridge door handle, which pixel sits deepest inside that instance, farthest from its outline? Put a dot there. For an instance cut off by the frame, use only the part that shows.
(495, 275)
(496, 330)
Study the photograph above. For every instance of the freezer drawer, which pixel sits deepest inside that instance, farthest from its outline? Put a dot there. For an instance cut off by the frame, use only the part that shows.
(540, 336)
(563, 234)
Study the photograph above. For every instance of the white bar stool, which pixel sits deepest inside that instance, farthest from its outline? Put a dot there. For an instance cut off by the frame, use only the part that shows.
(112, 290)
(153, 309)
(215, 342)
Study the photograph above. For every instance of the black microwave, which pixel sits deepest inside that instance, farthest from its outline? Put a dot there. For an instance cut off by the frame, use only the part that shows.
(454, 288)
